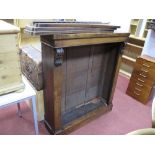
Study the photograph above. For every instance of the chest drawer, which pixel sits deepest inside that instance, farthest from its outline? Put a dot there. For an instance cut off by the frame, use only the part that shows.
(144, 72)
(9, 59)
(142, 96)
(9, 64)
(8, 43)
(142, 80)
(139, 84)
(145, 63)
(9, 80)
(139, 91)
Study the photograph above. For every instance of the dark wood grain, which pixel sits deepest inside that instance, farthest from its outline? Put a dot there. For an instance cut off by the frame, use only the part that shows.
(116, 67)
(82, 87)
(68, 28)
(79, 40)
(53, 77)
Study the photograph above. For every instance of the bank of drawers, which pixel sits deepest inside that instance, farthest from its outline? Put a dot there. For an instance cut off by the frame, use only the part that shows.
(142, 81)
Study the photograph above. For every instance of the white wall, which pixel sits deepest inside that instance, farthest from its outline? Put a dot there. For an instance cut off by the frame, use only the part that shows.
(149, 47)
(124, 23)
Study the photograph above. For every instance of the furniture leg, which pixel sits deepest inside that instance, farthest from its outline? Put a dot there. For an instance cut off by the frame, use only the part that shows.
(35, 115)
(19, 110)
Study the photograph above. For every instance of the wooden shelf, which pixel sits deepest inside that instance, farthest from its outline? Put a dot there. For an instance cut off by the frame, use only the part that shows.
(129, 61)
(133, 24)
(136, 40)
(134, 48)
(125, 73)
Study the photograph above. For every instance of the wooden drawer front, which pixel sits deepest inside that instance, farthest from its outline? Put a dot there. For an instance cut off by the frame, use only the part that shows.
(144, 63)
(138, 87)
(14, 69)
(143, 97)
(144, 72)
(10, 78)
(128, 61)
(8, 43)
(142, 80)
(139, 91)
(8, 66)
(138, 84)
(9, 59)
(10, 71)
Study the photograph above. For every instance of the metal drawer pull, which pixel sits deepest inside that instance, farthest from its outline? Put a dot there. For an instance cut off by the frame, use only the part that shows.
(142, 69)
(138, 89)
(146, 65)
(141, 80)
(139, 84)
(143, 75)
(136, 93)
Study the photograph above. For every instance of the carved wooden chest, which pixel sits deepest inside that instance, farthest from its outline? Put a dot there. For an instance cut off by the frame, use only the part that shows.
(31, 64)
(10, 71)
(80, 68)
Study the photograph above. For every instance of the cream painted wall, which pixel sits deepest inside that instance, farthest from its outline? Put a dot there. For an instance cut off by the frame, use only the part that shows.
(149, 47)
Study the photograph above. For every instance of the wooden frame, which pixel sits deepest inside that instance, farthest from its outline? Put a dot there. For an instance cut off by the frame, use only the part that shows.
(54, 50)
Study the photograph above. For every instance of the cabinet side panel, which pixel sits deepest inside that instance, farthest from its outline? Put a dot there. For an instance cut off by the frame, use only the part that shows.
(48, 67)
(111, 71)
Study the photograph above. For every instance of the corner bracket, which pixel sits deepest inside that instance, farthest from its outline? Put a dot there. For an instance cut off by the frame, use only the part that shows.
(58, 58)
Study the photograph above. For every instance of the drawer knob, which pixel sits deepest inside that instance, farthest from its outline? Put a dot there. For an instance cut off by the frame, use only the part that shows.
(139, 84)
(141, 80)
(142, 75)
(142, 69)
(136, 93)
(137, 89)
(146, 65)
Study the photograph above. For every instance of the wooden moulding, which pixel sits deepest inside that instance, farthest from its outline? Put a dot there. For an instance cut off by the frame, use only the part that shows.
(81, 121)
(149, 59)
(68, 28)
(136, 41)
(74, 25)
(129, 61)
(18, 87)
(52, 50)
(64, 40)
(6, 28)
(87, 35)
(134, 48)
